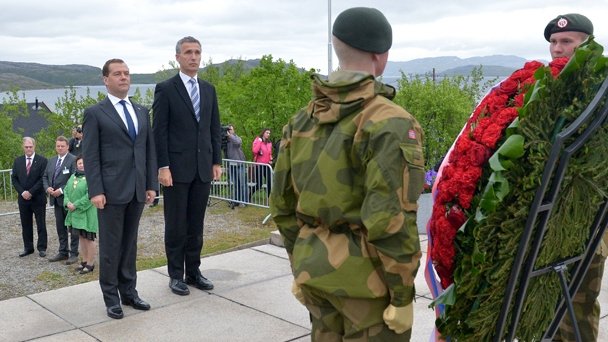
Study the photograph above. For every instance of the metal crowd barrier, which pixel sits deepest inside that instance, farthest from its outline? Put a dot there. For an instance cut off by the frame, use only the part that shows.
(8, 193)
(243, 183)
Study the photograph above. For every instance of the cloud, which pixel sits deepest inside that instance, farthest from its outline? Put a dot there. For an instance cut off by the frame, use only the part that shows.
(144, 32)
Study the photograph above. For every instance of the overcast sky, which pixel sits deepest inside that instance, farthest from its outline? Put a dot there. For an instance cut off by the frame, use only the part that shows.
(144, 32)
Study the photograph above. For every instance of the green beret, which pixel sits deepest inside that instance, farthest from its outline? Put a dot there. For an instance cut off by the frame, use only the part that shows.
(365, 29)
(569, 22)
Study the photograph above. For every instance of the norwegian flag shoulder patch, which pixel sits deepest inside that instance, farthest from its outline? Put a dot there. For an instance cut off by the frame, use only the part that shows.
(411, 134)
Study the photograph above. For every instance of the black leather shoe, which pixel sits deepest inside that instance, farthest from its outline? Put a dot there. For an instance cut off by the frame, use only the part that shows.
(199, 282)
(24, 253)
(178, 286)
(42, 254)
(71, 260)
(137, 303)
(58, 257)
(115, 312)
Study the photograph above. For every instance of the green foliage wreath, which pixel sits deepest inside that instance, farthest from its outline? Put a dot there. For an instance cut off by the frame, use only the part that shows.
(486, 245)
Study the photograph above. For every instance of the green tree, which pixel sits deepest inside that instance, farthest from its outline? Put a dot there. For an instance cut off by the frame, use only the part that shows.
(10, 144)
(211, 73)
(441, 107)
(224, 75)
(69, 112)
(166, 73)
(144, 99)
(265, 97)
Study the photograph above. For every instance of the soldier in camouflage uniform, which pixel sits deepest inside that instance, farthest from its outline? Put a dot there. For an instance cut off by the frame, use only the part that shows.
(349, 172)
(565, 33)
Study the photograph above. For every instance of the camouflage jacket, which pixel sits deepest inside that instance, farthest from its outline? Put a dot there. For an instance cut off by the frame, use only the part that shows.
(348, 175)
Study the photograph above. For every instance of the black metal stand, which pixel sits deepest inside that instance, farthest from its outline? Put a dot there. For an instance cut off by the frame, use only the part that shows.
(523, 270)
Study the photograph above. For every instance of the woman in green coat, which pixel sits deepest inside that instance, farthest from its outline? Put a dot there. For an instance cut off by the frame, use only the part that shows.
(82, 216)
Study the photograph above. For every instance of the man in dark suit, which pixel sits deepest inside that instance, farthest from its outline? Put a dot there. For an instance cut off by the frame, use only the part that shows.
(27, 180)
(75, 142)
(187, 132)
(58, 171)
(120, 162)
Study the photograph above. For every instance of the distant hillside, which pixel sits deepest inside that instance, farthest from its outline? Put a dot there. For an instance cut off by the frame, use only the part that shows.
(10, 80)
(452, 63)
(143, 79)
(26, 76)
(58, 75)
(248, 64)
(488, 70)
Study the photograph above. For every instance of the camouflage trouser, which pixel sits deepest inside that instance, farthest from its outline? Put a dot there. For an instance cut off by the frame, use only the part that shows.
(586, 305)
(337, 318)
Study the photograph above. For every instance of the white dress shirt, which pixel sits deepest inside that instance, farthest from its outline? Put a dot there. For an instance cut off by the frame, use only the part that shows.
(116, 102)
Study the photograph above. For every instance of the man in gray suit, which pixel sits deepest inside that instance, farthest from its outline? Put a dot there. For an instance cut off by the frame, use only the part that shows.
(120, 162)
(58, 171)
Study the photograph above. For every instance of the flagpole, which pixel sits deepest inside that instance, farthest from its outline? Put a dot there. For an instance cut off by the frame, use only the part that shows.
(329, 49)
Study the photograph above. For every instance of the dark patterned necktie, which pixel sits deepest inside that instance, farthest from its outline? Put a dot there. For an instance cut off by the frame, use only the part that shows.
(130, 124)
(57, 168)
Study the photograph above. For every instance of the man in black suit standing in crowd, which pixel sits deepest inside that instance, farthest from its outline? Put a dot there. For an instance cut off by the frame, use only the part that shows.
(121, 170)
(188, 139)
(58, 171)
(27, 180)
(75, 143)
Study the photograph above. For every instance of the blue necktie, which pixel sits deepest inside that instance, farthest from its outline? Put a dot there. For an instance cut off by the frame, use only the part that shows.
(196, 103)
(130, 125)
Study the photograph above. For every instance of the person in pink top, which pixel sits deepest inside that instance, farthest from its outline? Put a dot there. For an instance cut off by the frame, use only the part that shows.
(262, 153)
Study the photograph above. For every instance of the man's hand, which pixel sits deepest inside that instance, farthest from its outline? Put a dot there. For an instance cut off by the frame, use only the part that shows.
(164, 176)
(217, 172)
(150, 195)
(399, 319)
(297, 292)
(56, 192)
(99, 201)
(26, 195)
(50, 190)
